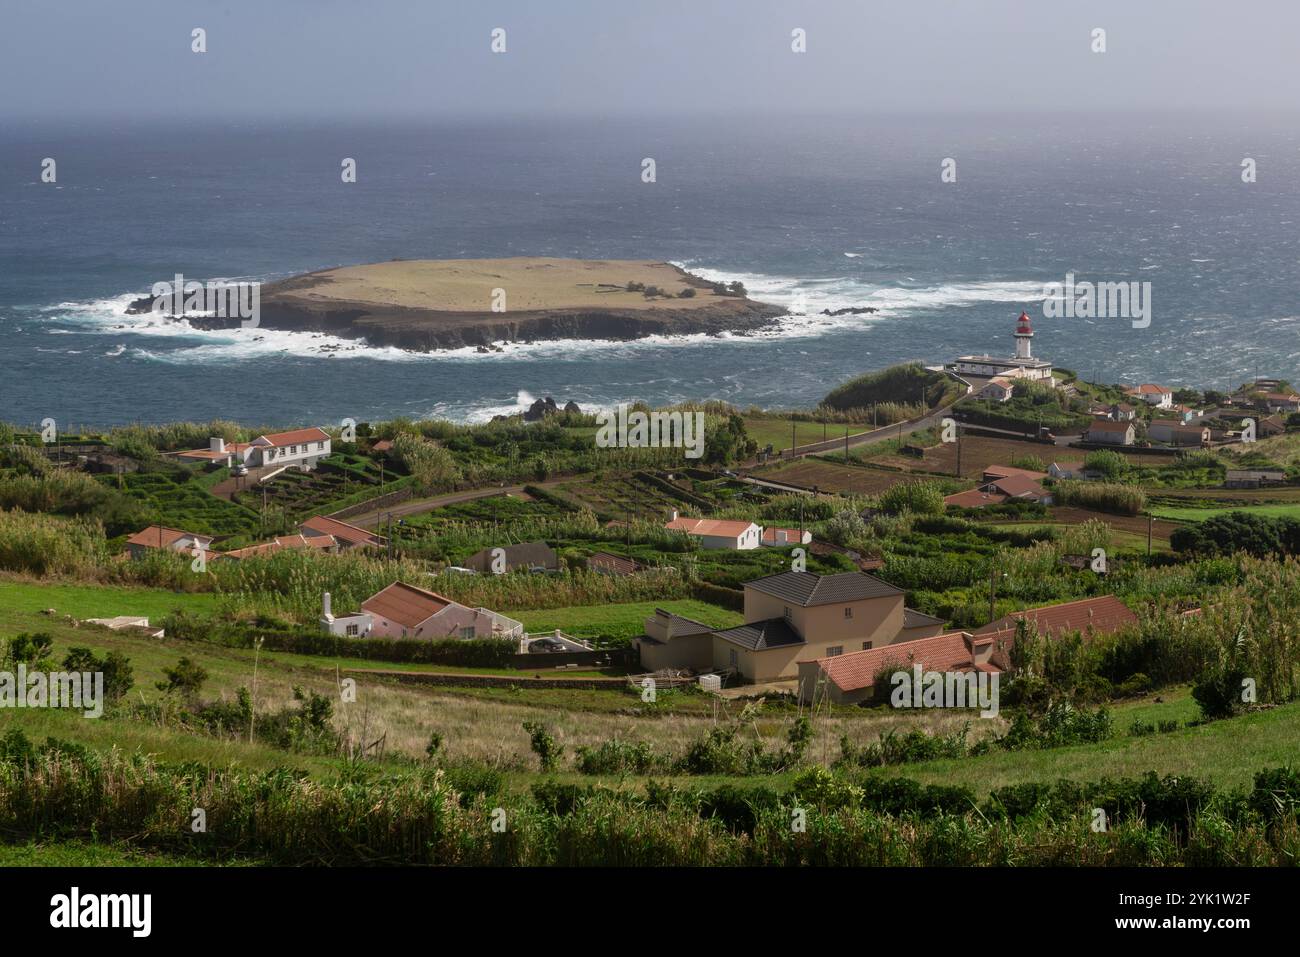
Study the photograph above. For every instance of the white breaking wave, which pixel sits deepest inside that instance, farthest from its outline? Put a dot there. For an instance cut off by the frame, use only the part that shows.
(803, 299)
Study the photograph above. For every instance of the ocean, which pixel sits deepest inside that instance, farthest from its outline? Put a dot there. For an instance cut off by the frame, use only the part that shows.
(812, 213)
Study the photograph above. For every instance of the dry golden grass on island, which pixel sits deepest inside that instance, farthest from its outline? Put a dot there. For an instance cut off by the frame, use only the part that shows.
(448, 304)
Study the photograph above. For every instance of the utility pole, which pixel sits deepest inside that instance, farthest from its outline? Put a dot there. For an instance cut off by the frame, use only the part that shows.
(958, 473)
(1150, 522)
(993, 577)
(846, 445)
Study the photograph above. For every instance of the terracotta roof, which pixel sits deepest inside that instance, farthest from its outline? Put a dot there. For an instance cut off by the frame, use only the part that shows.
(1147, 388)
(348, 534)
(1101, 425)
(606, 561)
(1017, 486)
(405, 604)
(1006, 471)
(708, 526)
(1100, 615)
(792, 535)
(761, 635)
(946, 652)
(974, 499)
(160, 536)
(808, 589)
(296, 437)
(266, 548)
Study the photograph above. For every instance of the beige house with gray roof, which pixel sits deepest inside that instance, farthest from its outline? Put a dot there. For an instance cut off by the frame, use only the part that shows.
(790, 617)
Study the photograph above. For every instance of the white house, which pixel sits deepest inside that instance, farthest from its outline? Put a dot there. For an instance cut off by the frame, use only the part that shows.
(1152, 394)
(405, 611)
(162, 537)
(718, 533)
(301, 448)
(355, 624)
(1106, 432)
(999, 389)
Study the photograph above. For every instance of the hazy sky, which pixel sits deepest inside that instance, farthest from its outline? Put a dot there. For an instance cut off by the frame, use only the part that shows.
(345, 58)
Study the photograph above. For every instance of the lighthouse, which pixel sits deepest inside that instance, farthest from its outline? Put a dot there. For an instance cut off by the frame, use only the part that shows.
(1024, 336)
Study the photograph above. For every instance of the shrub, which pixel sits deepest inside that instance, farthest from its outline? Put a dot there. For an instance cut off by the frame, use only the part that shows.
(548, 750)
(119, 676)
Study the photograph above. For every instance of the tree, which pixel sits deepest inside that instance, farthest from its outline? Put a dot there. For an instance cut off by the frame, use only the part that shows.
(544, 745)
(185, 679)
(119, 676)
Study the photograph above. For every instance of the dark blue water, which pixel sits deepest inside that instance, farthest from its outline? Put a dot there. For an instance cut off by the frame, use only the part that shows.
(841, 212)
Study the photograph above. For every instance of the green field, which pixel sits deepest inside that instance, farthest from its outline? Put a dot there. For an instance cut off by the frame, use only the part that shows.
(1194, 514)
(97, 601)
(621, 621)
(776, 432)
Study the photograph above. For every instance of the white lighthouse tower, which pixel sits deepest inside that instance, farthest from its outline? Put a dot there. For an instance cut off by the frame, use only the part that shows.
(1024, 336)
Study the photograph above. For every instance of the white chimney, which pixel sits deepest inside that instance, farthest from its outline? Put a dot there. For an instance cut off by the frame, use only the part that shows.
(325, 605)
(217, 444)
(674, 518)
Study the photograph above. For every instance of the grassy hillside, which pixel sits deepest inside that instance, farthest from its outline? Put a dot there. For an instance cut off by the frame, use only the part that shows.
(908, 384)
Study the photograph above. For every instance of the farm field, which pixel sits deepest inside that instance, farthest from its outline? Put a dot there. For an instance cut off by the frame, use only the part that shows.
(338, 479)
(1280, 494)
(1196, 514)
(97, 601)
(621, 621)
(776, 431)
(1135, 525)
(831, 477)
(184, 501)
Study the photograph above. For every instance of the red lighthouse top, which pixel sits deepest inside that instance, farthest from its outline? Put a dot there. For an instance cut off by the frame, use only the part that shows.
(1023, 329)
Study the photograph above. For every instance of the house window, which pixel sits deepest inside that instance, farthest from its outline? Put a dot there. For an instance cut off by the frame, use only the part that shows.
(352, 631)
(467, 632)
(787, 612)
(848, 612)
(834, 650)
(320, 446)
(866, 646)
(733, 658)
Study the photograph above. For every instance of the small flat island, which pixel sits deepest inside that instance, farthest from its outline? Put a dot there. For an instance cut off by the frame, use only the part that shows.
(425, 305)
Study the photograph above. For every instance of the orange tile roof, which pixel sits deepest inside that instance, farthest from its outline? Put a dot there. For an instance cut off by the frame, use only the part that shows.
(344, 532)
(1006, 471)
(160, 536)
(947, 652)
(708, 526)
(792, 535)
(974, 499)
(1100, 615)
(405, 604)
(1102, 425)
(1017, 486)
(1147, 388)
(296, 437)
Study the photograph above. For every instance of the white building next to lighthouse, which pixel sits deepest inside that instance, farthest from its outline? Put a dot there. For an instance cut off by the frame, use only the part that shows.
(1022, 365)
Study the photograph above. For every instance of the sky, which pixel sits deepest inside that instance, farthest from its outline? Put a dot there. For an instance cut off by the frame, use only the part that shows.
(282, 59)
